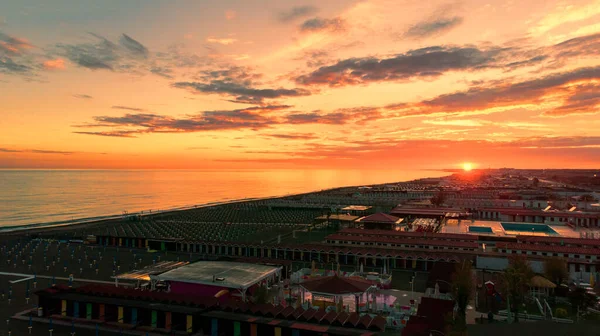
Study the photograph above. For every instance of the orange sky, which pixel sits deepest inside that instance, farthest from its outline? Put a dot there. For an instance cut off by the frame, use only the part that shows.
(264, 84)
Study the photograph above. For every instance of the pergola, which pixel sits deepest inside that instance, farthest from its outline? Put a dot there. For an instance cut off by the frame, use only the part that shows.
(539, 285)
(336, 287)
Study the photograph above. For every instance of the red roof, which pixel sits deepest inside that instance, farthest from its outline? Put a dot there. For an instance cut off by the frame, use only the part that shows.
(425, 211)
(352, 320)
(428, 235)
(364, 321)
(379, 217)
(336, 285)
(548, 248)
(266, 310)
(531, 212)
(395, 240)
(559, 240)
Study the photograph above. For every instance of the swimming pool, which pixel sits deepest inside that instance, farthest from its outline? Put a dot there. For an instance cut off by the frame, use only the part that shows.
(482, 229)
(528, 227)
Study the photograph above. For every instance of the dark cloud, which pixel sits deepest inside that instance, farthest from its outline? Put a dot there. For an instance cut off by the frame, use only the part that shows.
(7, 150)
(14, 56)
(133, 46)
(358, 115)
(433, 27)
(293, 136)
(10, 45)
(118, 107)
(241, 92)
(83, 96)
(557, 142)
(528, 92)
(162, 71)
(117, 134)
(97, 55)
(43, 151)
(322, 24)
(9, 66)
(296, 13)
(253, 118)
(434, 61)
(36, 151)
(420, 63)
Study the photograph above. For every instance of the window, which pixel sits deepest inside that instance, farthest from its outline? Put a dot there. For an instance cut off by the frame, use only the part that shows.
(577, 256)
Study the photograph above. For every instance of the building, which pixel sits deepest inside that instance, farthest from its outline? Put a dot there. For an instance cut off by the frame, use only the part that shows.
(380, 221)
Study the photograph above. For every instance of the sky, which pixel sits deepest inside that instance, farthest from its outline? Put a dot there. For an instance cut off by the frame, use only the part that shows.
(337, 84)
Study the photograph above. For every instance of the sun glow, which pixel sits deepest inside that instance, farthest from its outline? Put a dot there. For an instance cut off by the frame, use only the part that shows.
(467, 166)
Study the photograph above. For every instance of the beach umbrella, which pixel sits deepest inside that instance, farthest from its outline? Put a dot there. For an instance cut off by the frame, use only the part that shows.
(30, 324)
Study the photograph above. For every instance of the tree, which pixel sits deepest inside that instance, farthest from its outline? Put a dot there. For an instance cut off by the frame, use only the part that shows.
(536, 182)
(516, 282)
(462, 289)
(261, 295)
(581, 299)
(556, 270)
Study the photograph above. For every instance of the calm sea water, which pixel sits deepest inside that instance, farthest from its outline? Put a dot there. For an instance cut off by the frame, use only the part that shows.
(54, 196)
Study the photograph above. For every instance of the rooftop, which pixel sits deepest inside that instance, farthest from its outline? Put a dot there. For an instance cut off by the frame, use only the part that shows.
(229, 274)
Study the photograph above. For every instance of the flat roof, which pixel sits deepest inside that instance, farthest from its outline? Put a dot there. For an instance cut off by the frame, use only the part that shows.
(234, 274)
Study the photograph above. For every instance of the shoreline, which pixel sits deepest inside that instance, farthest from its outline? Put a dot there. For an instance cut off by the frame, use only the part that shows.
(91, 221)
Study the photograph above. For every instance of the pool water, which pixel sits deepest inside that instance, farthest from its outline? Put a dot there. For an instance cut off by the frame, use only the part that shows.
(482, 229)
(529, 228)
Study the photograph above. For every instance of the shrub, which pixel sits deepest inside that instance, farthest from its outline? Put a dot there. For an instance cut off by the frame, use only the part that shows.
(561, 313)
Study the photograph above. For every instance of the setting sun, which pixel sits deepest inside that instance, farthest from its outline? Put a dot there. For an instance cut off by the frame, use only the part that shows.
(467, 166)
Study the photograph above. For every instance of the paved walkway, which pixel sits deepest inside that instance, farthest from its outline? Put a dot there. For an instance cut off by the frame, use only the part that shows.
(22, 275)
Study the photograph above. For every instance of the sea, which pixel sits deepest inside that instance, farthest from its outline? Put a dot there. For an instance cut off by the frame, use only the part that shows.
(63, 197)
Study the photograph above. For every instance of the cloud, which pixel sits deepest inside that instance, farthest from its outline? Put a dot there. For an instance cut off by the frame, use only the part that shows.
(54, 64)
(117, 134)
(118, 107)
(83, 96)
(100, 55)
(242, 92)
(357, 115)
(296, 13)
(162, 71)
(433, 27)
(7, 150)
(36, 151)
(323, 25)
(223, 41)
(9, 66)
(293, 136)
(421, 63)
(230, 14)
(557, 89)
(434, 61)
(133, 46)
(15, 58)
(11, 45)
(249, 118)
